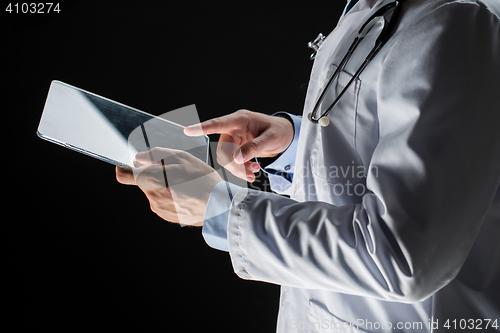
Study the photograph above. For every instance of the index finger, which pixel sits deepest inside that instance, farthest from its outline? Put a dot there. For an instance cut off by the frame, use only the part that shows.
(219, 125)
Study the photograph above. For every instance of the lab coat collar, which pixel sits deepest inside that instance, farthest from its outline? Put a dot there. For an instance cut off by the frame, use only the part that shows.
(363, 5)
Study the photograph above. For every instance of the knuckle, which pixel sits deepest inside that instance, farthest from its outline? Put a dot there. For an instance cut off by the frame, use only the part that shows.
(155, 150)
(156, 154)
(253, 145)
(157, 184)
(152, 199)
(145, 182)
(153, 208)
(215, 123)
(120, 177)
(243, 113)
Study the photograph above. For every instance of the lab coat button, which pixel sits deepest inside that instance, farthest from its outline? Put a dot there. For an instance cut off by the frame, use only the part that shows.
(321, 80)
(283, 297)
(296, 188)
(287, 168)
(244, 274)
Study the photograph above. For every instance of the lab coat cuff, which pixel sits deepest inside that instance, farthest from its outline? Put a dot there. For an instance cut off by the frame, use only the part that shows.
(214, 229)
(235, 227)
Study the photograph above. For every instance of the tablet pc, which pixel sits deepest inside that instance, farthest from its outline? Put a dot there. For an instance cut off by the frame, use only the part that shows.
(108, 130)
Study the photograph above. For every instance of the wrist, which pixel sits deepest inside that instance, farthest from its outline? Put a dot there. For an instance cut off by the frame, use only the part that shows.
(288, 130)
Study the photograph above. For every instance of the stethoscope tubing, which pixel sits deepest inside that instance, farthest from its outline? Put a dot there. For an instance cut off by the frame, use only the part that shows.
(323, 120)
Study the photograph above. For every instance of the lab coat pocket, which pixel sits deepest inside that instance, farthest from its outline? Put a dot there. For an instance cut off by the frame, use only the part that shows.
(334, 158)
(319, 319)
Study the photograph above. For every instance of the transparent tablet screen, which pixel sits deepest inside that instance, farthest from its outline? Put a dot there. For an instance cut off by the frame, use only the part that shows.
(111, 131)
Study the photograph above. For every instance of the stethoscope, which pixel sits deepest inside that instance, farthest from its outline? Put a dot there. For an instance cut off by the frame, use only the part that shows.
(323, 120)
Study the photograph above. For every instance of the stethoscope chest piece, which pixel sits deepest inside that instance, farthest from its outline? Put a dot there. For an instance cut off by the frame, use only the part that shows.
(323, 121)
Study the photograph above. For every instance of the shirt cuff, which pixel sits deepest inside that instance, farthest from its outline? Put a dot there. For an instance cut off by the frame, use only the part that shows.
(214, 229)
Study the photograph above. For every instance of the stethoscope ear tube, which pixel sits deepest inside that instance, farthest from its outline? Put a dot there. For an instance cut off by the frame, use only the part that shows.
(386, 32)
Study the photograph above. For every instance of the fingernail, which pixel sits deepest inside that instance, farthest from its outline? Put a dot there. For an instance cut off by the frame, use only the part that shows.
(194, 130)
(240, 157)
(255, 167)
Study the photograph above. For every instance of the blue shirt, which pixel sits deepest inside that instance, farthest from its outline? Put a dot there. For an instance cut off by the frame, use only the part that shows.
(350, 5)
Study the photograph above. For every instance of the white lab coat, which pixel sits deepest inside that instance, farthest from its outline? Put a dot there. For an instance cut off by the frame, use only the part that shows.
(394, 215)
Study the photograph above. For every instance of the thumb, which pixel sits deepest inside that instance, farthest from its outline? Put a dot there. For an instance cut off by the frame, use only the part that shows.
(251, 149)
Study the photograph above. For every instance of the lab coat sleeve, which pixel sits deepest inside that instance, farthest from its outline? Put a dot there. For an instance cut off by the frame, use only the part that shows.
(214, 228)
(438, 169)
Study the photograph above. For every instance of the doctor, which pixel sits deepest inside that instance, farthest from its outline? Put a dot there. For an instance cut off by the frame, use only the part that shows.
(393, 218)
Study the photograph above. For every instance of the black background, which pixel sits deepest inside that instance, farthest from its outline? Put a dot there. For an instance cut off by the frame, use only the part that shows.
(80, 251)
